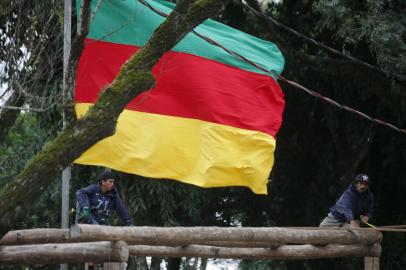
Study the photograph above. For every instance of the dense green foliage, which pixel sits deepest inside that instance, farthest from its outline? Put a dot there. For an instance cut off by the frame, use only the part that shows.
(380, 25)
(319, 147)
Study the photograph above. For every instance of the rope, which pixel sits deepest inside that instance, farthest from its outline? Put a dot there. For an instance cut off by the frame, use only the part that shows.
(294, 84)
(383, 229)
(343, 107)
(398, 228)
(369, 224)
(394, 228)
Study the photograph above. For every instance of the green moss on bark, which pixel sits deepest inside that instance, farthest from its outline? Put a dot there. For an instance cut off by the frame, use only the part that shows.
(134, 77)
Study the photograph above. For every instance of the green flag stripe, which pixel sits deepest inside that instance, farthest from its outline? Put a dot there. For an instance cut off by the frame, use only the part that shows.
(130, 22)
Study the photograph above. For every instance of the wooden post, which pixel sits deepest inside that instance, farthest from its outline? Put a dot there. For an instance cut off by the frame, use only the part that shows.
(65, 253)
(286, 252)
(181, 236)
(114, 266)
(371, 263)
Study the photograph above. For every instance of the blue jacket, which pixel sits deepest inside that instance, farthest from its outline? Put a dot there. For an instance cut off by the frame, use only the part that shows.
(101, 205)
(352, 204)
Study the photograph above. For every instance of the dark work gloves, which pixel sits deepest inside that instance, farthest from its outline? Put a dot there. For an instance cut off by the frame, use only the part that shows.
(85, 215)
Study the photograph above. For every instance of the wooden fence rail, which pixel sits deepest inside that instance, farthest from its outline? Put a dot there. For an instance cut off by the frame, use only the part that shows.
(286, 252)
(36, 236)
(182, 236)
(84, 243)
(65, 253)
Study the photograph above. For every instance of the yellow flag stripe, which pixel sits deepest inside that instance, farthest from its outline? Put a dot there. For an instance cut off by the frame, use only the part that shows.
(192, 151)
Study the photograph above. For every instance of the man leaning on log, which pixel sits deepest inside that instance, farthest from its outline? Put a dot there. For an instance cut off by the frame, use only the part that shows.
(95, 203)
(354, 206)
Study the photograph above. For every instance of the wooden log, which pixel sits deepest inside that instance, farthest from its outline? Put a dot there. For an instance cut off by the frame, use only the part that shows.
(371, 263)
(247, 244)
(286, 252)
(181, 236)
(51, 235)
(35, 236)
(65, 253)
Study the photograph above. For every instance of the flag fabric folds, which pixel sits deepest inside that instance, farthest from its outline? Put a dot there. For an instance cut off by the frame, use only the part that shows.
(210, 120)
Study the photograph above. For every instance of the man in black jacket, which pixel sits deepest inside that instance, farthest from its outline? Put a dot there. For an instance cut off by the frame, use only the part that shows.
(96, 202)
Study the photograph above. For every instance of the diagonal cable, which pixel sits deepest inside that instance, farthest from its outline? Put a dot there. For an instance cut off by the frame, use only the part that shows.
(392, 76)
(292, 83)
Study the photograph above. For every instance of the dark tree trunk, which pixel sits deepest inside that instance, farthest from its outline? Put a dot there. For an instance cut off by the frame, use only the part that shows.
(351, 150)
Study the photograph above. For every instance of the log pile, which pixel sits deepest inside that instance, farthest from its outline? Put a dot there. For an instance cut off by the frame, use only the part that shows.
(95, 243)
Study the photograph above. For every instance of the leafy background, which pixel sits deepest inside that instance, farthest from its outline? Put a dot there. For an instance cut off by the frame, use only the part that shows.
(319, 147)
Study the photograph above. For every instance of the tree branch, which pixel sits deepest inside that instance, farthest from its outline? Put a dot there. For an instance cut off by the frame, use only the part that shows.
(7, 116)
(100, 121)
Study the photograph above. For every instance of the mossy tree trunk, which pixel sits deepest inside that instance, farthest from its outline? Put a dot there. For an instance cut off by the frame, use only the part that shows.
(134, 77)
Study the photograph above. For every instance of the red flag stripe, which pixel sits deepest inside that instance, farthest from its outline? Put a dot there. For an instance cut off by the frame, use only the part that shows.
(188, 86)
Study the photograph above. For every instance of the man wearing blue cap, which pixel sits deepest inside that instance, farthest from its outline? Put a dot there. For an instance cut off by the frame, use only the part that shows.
(355, 205)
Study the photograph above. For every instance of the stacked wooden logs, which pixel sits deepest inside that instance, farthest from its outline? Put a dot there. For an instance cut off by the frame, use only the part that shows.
(94, 243)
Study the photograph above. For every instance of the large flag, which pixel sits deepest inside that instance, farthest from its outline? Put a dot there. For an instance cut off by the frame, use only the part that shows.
(211, 119)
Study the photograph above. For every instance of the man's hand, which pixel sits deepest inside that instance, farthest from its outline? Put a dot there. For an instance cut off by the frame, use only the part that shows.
(85, 215)
(354, 224)
(364, 219)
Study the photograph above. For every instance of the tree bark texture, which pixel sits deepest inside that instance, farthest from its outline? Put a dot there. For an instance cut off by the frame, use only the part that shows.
(134, 77)
(65, 253)
(180, 236)
(286, 252)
